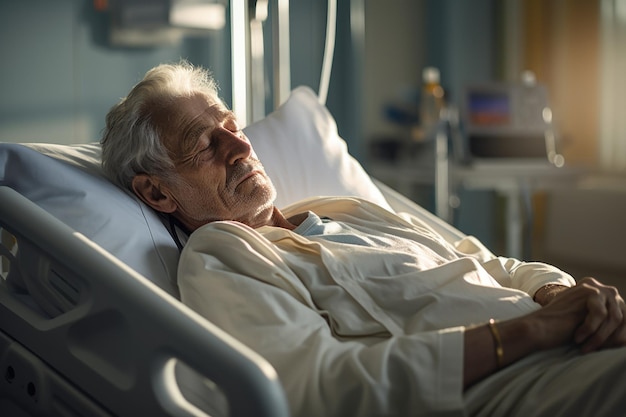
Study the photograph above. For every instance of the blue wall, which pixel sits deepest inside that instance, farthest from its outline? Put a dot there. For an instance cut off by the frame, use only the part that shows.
(59, 76)
(460, 40)
(308, 32)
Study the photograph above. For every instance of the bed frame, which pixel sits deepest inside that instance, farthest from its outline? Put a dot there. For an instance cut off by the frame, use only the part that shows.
(101, 358)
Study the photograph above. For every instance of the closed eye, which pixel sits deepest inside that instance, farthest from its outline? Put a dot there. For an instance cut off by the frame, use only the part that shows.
(204, 154)
(232, 126)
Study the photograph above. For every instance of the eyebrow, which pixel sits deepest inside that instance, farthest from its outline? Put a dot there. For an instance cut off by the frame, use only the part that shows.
(225, 114)
(189, 137)
(194, 130)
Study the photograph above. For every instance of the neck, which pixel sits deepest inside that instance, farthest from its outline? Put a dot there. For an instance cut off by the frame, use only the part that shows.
(275, 219)
(279, 220)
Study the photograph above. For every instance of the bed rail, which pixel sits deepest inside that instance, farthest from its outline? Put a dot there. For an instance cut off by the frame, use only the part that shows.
(120, 336)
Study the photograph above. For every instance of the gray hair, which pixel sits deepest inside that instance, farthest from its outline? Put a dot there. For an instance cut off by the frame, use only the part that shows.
(131, 142)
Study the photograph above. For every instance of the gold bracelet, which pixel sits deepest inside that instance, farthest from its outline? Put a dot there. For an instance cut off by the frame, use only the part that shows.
(498, 342)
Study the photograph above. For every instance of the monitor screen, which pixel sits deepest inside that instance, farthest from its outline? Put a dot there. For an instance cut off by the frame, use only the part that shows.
(489, 108)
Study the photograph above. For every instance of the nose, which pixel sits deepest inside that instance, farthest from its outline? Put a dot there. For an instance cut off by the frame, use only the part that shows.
(234, 145)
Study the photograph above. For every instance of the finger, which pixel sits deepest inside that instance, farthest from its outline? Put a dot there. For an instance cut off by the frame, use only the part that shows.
(606, 334)
(596, 315)
(618, 337)
(614, 325)
(589, 280)
(612, 330)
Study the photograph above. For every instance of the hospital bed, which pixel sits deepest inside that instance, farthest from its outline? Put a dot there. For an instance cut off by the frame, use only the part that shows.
(90, 321)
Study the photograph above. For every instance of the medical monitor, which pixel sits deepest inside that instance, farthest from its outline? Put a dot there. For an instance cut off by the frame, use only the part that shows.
(506, 120)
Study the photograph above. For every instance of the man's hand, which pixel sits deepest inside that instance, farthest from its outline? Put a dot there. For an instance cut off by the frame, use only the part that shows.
(589, 314)
(605, 324)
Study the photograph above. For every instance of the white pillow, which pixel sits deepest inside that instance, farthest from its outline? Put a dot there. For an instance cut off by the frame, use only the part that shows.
(298, 145)
(304, 155)
(71, 187)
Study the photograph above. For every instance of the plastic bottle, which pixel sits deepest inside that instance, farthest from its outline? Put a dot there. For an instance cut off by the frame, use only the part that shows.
(431, 103)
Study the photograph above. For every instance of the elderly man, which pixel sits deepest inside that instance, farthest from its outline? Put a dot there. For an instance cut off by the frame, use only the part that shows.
(361, 312)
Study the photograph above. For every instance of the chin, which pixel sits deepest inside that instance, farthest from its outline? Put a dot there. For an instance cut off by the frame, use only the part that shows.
(261, 197)
(268, 202)
(267, 192)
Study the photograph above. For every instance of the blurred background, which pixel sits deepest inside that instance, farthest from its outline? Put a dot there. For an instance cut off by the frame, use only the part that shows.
(66, 62)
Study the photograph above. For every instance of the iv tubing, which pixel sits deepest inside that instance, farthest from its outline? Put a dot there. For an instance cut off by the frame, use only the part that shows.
(329, 49)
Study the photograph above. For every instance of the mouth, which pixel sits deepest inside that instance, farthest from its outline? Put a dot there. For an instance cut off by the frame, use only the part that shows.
(249, 175)
(246, 176)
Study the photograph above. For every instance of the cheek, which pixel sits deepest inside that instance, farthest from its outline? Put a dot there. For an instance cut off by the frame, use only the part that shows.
(199, 201)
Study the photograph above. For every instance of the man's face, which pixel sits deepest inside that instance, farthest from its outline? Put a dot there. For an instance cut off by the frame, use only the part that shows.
(218, 175)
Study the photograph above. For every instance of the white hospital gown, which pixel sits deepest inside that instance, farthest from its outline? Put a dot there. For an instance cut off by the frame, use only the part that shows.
(354, 329)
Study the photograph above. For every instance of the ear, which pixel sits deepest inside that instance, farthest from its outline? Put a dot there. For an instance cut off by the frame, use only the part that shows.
(149, 189)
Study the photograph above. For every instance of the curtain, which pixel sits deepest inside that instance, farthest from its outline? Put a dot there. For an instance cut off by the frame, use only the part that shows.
(613, 86)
